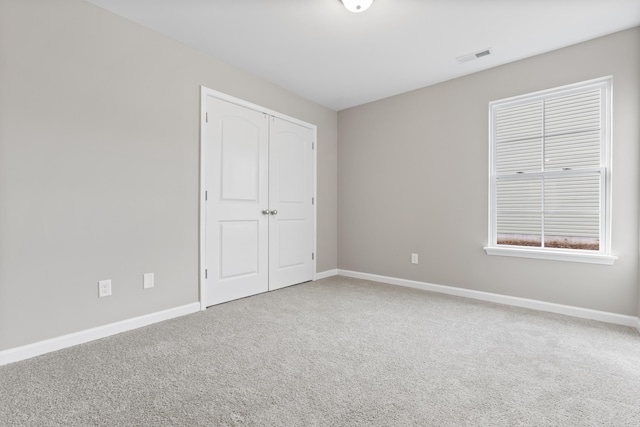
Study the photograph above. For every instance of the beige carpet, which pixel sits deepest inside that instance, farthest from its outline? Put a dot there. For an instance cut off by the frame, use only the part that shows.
(339, 352)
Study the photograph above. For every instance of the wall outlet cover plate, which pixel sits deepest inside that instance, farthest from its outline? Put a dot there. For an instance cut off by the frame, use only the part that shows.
(148, 281)
(104, 288)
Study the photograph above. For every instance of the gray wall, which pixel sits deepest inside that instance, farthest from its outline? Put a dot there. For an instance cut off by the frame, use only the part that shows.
(413, 177)
(99, 140)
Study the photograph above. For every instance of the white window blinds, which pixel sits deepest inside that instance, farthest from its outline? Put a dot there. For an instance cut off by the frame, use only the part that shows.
(550, 169)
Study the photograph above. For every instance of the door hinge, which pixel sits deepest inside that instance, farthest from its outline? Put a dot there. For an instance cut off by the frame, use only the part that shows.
(205, 273)
(206, 117)
(313, 145)
(206, 196)
(313, 256)
(313, 200)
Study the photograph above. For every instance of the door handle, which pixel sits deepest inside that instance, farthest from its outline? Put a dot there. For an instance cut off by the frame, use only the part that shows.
(266, 212)
(274, 212)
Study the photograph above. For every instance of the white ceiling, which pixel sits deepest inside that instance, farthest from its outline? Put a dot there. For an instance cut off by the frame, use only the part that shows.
(319, 50)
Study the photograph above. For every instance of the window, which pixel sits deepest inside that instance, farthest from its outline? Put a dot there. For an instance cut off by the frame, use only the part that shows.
(550, 174)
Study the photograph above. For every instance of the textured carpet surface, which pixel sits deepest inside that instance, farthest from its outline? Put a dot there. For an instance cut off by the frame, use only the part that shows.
(339, 352)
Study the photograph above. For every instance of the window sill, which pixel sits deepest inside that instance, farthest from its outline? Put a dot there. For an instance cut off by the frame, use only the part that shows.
(552, 255)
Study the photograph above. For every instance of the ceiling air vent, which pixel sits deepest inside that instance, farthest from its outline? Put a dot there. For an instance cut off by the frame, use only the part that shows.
(475, 55)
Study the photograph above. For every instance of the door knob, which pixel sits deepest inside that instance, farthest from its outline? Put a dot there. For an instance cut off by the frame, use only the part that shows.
(266, 212)
(274, 212)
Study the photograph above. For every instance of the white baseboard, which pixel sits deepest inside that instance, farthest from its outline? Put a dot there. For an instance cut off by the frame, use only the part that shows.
(584, 313)
(325, 274)
(58, 343)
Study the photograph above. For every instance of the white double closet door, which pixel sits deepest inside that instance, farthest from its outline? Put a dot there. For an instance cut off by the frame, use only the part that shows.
(259, 226)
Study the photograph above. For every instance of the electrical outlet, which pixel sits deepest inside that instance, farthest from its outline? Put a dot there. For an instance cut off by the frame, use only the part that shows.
(104, 288)
(414, 258)
(147, 281)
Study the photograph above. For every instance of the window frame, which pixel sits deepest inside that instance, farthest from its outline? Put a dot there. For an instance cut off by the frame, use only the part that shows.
(603, 254)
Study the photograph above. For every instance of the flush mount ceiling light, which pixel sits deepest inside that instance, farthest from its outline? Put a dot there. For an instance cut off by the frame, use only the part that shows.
(357, 6)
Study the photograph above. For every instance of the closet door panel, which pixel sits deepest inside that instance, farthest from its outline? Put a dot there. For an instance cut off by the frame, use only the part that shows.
(237, 230)
(290, 194)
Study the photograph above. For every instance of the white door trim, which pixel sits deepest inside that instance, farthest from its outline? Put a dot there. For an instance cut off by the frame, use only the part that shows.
(204, 93)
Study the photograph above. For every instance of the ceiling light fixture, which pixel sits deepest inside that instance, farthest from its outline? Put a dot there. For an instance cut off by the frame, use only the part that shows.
(357, 6)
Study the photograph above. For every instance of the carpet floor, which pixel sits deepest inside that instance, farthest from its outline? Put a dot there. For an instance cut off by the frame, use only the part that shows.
(338, 352)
